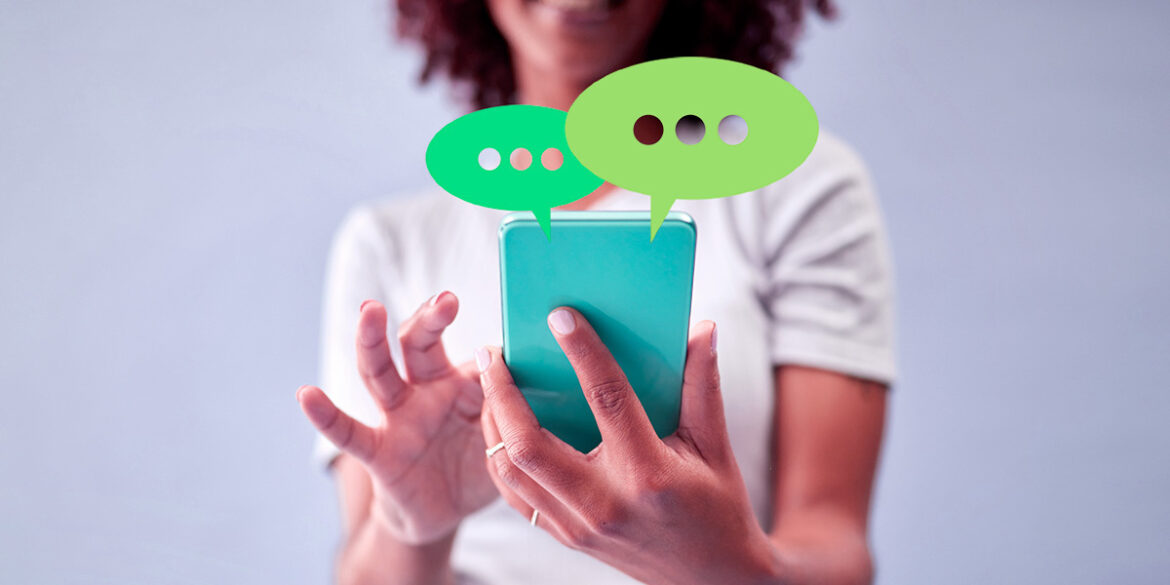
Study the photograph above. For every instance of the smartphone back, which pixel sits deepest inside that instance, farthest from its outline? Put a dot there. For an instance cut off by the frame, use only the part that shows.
(635, 292)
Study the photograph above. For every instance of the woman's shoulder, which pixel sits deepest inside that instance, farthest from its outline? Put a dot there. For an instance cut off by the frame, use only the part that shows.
(832, 160)
(833, 168)
(401, 211)
(403, 218)
(825, 194)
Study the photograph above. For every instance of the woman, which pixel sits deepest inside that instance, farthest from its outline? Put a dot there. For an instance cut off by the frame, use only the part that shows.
(768, 479)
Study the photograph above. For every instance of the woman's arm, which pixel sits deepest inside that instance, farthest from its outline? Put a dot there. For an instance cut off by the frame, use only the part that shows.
(675, 510)
(407, 482)
(828, 435)
(368, 549)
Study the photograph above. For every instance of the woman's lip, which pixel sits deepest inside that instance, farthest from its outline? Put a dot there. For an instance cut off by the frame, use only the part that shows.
(578, 5)
(576, 12)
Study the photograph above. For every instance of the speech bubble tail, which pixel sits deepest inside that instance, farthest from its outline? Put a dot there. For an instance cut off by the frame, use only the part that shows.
(659, 207)
(544, 218)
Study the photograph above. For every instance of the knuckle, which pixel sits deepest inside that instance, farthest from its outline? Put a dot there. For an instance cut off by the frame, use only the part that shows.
(611, 395)
(413, 334)
(527, 455)
(345, 433)
(580, 538)
(349, 440)
(375, 368)
(610, 522)
(509, 473)
(417, 335)
(610, 530)
(705, 382)
(657, 490)
(407, 329)
(491, 388)
(363, 449)
(409, 337)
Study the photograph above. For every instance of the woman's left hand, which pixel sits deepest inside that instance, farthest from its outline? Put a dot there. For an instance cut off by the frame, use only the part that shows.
(671, 510)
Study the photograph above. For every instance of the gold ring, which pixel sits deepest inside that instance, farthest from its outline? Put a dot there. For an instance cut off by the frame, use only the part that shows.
(494, 448)
(535, 515)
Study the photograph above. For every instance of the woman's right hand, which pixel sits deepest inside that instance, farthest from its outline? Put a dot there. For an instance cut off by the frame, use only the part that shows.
(426, 458)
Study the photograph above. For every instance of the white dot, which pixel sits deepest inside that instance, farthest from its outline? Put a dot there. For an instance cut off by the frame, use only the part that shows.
(733, 129)
(489, 159)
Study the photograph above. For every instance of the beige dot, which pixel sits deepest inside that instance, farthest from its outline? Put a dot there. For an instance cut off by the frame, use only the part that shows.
(521, 159)
(552, 159)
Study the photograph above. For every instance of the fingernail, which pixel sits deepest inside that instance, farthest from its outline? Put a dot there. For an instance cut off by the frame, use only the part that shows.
(714, 338)
(483, 359)
(434, 299)
(364, 303)
(562, 322)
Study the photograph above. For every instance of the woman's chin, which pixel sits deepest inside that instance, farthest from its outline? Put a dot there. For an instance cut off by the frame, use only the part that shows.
(583, 39)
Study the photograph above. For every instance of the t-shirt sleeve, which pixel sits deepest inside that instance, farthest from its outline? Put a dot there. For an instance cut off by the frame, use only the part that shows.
(357, 258)
(826, 273)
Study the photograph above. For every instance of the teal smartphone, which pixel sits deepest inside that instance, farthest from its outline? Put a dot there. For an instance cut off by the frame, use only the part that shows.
(635, 292)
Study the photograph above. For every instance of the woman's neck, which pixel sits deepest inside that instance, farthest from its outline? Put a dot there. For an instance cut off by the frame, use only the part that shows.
(591, 200)
(553, 89)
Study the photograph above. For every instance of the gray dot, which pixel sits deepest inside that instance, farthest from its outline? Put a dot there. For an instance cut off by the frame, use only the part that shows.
(690, 129)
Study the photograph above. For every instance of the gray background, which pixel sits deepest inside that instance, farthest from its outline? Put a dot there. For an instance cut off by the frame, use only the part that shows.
(171, 174)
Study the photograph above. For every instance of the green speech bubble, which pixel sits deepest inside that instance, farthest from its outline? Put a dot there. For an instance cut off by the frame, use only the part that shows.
(459, 158)
(781, 129)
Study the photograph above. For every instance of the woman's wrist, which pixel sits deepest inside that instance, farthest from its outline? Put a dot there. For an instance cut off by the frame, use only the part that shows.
(406, 527)
(762, 564)
(757, 561)
(379, 555)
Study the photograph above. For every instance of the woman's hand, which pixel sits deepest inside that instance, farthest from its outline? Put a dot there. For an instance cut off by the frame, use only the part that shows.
(426, 458)
(671, 510)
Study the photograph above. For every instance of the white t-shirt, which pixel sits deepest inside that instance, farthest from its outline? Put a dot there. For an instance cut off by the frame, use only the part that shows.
(795, 273)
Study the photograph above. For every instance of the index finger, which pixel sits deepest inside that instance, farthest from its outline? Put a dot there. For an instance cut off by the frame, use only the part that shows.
(374, 363)
(552, 463)
(621, 419)
(421, 336)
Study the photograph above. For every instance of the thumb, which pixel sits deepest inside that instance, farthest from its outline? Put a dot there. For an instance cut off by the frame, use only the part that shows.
(342, 430)
(701, 420)
(469, 400)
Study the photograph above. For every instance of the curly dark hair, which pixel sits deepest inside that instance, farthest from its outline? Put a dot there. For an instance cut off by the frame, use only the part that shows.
(461, 41)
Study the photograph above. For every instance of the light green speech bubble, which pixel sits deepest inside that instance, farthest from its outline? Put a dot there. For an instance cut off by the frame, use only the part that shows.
(479, 158)
(781, 129)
